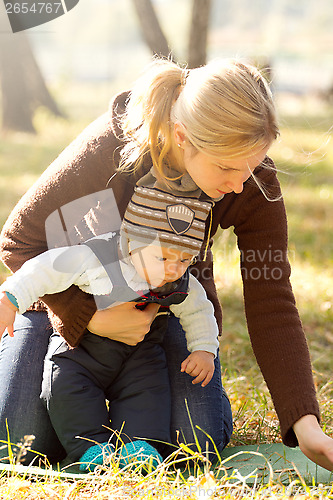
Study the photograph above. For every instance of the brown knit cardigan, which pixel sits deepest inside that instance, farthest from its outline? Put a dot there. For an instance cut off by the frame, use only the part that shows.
(87, 165)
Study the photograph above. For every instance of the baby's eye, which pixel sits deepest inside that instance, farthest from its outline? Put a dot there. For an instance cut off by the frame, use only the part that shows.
(185, 261)
(160, 259)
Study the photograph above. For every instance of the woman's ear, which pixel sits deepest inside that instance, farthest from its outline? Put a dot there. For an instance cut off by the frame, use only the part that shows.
(179, 134)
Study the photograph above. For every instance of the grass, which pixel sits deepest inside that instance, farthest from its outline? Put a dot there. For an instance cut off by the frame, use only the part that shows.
(165, 482)
(305, 156)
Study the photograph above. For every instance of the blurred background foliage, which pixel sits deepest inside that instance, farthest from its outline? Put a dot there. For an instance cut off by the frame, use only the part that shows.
(98, 49)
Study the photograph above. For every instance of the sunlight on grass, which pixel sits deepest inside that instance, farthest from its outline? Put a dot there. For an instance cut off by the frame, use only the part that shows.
(199, 483)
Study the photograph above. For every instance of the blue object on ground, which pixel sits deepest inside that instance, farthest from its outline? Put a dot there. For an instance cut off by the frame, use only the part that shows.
(257, 463)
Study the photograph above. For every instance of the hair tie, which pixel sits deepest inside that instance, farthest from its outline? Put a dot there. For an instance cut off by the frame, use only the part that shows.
(185, 73)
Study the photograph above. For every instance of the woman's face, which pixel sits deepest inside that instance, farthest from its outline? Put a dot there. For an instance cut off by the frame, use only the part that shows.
(215, 177)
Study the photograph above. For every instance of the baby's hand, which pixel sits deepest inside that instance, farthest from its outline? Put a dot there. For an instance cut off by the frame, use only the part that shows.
(199, 364)
(7, 315)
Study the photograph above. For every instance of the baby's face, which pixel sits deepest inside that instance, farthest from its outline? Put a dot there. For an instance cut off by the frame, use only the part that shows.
(159, 265)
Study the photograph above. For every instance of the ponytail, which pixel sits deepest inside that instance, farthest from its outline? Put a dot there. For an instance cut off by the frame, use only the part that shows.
(146, 124)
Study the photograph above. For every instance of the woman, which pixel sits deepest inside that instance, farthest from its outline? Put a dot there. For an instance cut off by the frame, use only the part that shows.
(206, 130)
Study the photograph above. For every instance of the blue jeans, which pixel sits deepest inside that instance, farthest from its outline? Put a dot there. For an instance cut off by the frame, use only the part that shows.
(21, 368)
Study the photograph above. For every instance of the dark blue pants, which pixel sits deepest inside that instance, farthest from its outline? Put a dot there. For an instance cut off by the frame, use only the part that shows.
(134, 379)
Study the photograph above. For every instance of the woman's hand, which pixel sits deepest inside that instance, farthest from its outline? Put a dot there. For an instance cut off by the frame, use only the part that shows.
(199, 364)
(124, 322)
(313, 442)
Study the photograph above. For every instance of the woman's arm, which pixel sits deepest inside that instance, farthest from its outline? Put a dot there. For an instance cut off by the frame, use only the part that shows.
(275, 329)
(274, 325)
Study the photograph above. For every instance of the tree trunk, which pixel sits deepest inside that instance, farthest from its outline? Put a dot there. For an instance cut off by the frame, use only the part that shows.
(151, 29)
(197, 49)
(16, 109)
(22, 84)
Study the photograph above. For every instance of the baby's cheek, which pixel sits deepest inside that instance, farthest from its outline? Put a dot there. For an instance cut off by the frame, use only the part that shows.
(157, 269)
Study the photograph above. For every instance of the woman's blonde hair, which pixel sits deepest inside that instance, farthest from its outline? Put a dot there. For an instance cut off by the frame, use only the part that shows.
(225, 107)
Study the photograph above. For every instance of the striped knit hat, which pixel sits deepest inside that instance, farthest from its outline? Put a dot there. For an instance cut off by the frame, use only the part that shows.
(173, 221)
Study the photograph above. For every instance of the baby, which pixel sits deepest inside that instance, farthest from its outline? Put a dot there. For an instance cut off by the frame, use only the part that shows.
(147, 262)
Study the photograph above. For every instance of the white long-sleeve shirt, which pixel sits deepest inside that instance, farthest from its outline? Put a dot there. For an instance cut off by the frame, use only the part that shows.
(59, 268)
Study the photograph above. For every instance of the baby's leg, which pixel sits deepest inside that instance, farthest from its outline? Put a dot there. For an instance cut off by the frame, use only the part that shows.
(74, 396)
(74, 388)
(76, 406)
(140, 395)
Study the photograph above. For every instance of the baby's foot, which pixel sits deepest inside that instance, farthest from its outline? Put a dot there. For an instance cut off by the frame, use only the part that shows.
(139, 452)
(134, 453)
(98, 454)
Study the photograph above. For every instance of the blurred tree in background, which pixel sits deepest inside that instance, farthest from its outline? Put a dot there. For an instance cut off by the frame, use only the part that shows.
(156, 40)
(197, 46)
(151, 30)
(22, 84)
(106, 43)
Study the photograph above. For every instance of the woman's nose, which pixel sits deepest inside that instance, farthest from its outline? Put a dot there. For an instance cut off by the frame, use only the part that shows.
(236, 182)
(236, 185)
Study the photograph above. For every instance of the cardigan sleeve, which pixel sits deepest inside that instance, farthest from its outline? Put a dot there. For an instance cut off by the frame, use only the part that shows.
(274, 326)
